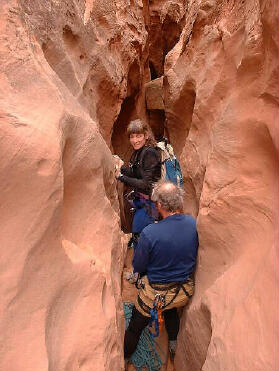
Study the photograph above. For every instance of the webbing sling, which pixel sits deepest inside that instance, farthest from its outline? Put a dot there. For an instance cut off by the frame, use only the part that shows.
(154, 318)
(156, 314)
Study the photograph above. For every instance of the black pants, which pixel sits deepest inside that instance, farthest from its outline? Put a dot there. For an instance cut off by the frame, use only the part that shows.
(138, 322)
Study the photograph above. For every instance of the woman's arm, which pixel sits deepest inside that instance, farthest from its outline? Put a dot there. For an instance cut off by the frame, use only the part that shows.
(126, 170)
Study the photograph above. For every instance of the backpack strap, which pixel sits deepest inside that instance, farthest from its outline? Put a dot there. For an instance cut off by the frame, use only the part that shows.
(140, 161)
(141, 155)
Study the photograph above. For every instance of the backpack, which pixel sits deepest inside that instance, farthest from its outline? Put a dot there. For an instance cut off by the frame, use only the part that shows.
(170, 166)
(171, 170)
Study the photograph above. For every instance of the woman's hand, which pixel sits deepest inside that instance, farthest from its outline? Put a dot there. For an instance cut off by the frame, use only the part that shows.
(117, 165)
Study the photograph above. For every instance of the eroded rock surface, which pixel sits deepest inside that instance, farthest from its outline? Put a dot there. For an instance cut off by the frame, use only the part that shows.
(66, 67)
(222, 114)
(167, 18)
(73, 74)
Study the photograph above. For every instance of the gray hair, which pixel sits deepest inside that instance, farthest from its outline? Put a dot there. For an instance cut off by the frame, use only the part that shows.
(169, 195)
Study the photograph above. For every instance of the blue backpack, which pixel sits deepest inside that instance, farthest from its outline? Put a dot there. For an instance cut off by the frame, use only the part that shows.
(171, 169)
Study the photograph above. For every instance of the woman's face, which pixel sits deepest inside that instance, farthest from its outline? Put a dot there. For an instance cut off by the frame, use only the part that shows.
(138, 140)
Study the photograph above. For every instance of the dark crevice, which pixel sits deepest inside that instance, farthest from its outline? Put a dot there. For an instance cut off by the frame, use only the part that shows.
(171, 33)
(156, 120)
(119, 139)
(153, 72)
(163, 36)
(121, 147)
(70, 39)
(133, 83)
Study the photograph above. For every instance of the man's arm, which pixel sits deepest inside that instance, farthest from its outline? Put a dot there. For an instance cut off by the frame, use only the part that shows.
(141, 255)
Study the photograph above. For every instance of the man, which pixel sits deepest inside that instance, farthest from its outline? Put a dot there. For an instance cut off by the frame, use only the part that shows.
(166, 255)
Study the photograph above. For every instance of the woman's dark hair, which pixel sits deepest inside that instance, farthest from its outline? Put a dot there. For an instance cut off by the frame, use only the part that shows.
(139, 127)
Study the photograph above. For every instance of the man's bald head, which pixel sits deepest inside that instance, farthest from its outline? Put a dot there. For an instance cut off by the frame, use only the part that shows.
(169, 196)
(168, 187)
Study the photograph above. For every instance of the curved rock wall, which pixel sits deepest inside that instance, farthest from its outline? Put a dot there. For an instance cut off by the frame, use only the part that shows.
(66, 67)
(221, 108)
(72, 76)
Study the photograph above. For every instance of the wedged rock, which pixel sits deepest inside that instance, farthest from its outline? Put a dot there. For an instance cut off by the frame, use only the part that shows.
(154, 94)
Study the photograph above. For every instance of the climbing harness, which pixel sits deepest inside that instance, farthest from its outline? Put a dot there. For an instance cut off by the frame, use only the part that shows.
(166, 287)
(148, 356)
(160, 303)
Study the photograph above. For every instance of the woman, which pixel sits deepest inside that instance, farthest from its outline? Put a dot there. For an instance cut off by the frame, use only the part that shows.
(143, 171)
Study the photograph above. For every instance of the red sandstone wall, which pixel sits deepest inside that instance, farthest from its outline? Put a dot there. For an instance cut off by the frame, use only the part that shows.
(72, 73)
(221, 106)
(66, 67)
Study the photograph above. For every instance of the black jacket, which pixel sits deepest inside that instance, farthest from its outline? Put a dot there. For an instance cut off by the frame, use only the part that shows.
(143, 171)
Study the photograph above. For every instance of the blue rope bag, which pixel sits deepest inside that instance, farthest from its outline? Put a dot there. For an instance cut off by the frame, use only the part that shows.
(146, 356)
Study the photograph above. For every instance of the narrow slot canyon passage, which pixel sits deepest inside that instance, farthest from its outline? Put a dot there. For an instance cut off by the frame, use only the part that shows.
(156, 118)
(204, 74)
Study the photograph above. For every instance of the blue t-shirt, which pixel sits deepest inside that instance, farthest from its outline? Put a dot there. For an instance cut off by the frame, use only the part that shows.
(167, 250)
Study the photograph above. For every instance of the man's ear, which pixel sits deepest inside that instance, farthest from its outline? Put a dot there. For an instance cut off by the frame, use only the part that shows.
(158, 206)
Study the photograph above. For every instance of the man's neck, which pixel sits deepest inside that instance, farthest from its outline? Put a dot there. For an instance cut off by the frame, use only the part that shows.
(166, 214)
